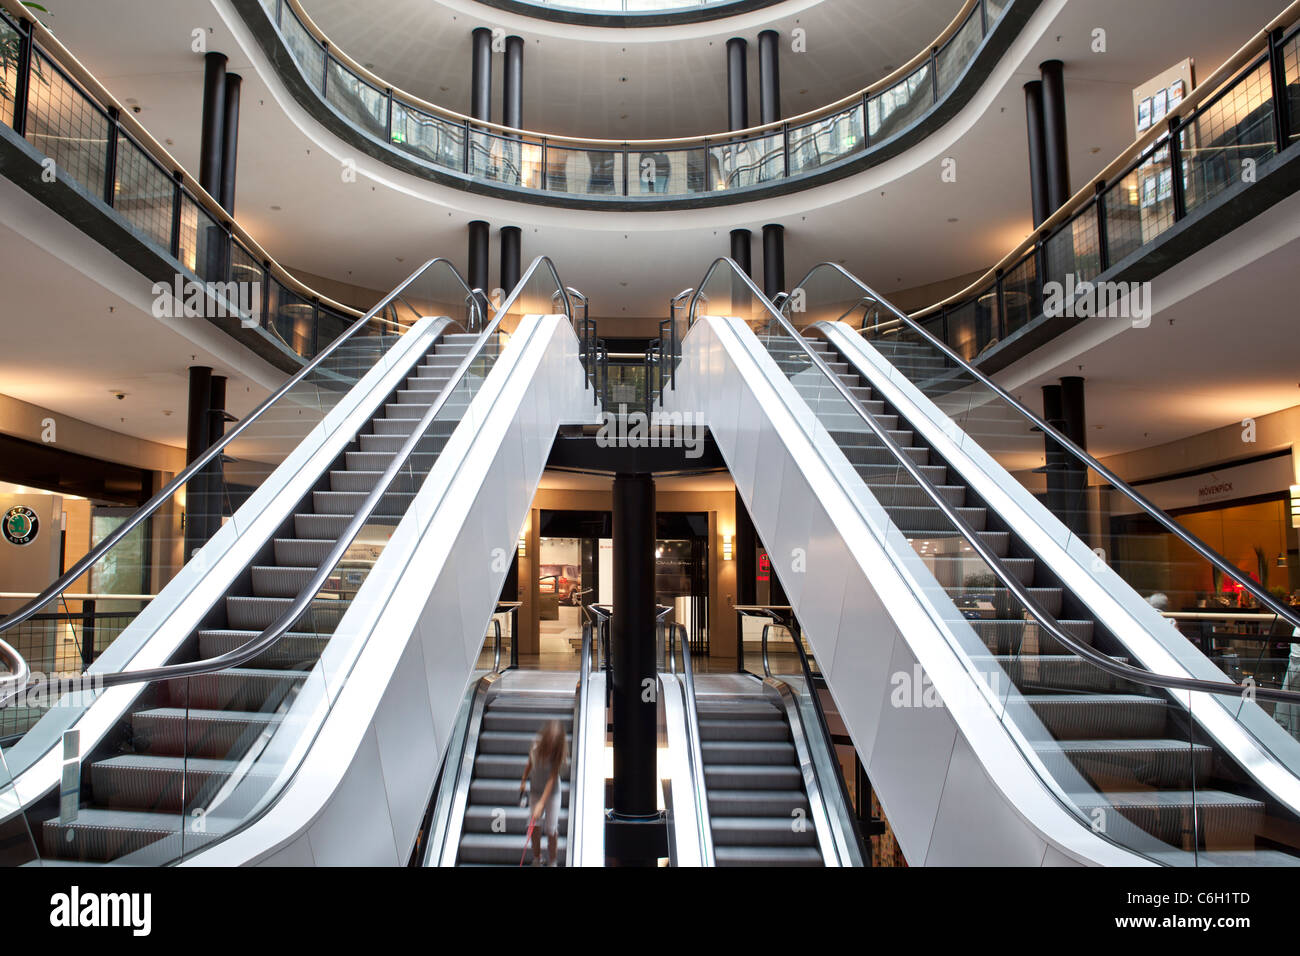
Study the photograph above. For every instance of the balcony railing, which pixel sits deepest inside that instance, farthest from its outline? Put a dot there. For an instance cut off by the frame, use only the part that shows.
(51, 100)
(446, 141)
(1246, 113)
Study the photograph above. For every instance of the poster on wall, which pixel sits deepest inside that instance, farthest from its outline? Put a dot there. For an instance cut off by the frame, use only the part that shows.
(1144, 115)
(1160, 95)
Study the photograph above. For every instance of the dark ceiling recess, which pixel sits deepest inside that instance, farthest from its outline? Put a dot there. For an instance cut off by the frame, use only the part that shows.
(63, 472)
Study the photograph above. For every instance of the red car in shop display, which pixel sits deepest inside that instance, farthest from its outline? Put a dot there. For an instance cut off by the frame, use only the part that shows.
(562, 580)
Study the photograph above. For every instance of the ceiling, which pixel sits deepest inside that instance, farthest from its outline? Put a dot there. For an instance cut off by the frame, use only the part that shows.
(622, 83)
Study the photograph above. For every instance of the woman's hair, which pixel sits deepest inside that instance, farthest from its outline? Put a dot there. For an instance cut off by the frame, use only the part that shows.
(552, 749)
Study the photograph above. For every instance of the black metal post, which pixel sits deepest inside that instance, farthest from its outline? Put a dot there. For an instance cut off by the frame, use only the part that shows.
(769, 76)
(1056, 150)
(737, 84)
(1281, 94)
(480, 97)
(511, 242)
(1074, 426)
(110, 157)
(773, 259)
(197, 440)
(1176, 169)
(213, 122)
(87, 633)
(633, 648)
(229, 143)
(22, 86)
(1103, 237)
(741, 250)
(1037, 154)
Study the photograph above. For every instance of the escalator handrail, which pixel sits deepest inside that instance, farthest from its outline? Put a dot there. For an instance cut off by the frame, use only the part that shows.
(577, 788)
(696, 757)
(302, 601)
(17, 670)
(1170, 525)
(995, 563)
(863, 847)
(209, 455)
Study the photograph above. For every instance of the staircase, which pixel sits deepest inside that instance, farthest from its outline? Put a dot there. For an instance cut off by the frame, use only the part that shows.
(187, 743)
(758, 808)
(1123, 739)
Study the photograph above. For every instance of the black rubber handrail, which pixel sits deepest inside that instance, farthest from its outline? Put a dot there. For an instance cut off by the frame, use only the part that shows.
(1008, 579)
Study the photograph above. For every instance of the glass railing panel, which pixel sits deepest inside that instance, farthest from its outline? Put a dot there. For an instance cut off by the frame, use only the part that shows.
(1074, 249)
(17, 843)
(306, 51)
(747, 162)
(1291, 73)
(362, 104)
(995, 8)
(143, 193)
(667, 172)
(66, 125)
(1223, 139)
(505, 159)
(1020, 296)
(584, 172)
(826, 140)
(1140, 205)
(428, 137)
(893, 110)
(953, 56)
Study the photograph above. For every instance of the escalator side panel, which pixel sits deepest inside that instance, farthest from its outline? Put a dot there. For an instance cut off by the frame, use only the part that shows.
(871, 611)
(398, 664)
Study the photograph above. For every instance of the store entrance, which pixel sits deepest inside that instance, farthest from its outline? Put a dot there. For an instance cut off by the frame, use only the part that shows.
(575, 568)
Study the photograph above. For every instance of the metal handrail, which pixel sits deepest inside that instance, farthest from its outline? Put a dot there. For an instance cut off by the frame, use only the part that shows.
(1170, 525)
(18, 672)
(995, 563)
(696, 761)
(577, 792)
(206, 457)
(302, 601)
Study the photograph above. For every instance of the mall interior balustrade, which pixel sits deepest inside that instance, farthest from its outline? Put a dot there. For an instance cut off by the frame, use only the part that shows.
(1192, 158)
(645, 169)
(91, 142)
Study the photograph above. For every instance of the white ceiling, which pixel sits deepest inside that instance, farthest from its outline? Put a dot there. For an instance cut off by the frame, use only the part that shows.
(633, 83)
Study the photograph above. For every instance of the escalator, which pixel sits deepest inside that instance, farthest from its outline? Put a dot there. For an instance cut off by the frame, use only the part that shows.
(241, 698)
(999, 677)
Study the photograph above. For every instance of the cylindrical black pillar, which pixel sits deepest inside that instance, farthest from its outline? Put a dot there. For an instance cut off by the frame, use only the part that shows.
(477, 273)
(197, 431)
(1037, 156)
(769, 76)
(215, 479)
(742, 250)
(632, 638)
(773, 259)
(737, 83)
(230, 143)
(1073, 412)
(1074, 425)
(512, 96)
(1054, 457)
(480, 96)
(746, 549)
(1055, 146)
(511, 242)
(213, 120)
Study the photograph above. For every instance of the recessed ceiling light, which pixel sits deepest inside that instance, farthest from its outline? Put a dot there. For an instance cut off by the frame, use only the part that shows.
(952, 219)
(275, 208)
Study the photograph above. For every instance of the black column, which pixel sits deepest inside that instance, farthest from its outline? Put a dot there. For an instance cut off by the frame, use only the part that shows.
(633, 647)
(769, 76)
(512, 96)
(214, 118)
(773, 259)
(480, 96)
(1075, 427)
(1037, 156)
(511, 241)
(742, 241)
(216, 479)
(477, 273)
(746, 549)
(197, 430)
(737, 84)
(1055, 151)
(230, 143)
(1054, 456)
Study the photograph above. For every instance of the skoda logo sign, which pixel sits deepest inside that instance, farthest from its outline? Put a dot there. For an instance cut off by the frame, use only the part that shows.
(20, 525)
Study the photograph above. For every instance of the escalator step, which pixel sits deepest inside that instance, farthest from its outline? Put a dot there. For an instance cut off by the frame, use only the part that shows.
(490, 819)
(1126, 764)
(258, 613)
(1049, 599)
(760, 752)
(350, 502)
(951, 570)
(998, 541)
(302, 552)
(508, 742)
(295, 650)
(501, 792)
(773, 728)
(756, 803)
(104, 835)
(903, 492)
(1098, 716)
(767, 856)
(752, 777)
(524, 721)
(763, 831)
(928, 519)
(1062, 672)
(281, 580)
(168, 784)
(174, 731)
(378, 461)
(1225, 820)
(239, 688)
(501, 849)
(1019, 636)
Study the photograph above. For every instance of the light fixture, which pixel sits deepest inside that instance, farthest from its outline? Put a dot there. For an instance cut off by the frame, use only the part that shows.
(1295, 506)
(523, 546)
(726, 547)
(1281, 559)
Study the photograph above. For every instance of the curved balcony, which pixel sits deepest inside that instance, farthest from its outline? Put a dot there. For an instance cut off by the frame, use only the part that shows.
(837, 140)
(629, 13)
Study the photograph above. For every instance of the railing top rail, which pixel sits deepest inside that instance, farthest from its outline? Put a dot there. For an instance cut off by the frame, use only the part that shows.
(1008, 579)
(885, 82)
(211, 453)
(1209, 88)
(160, 154)
(1173, 527)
